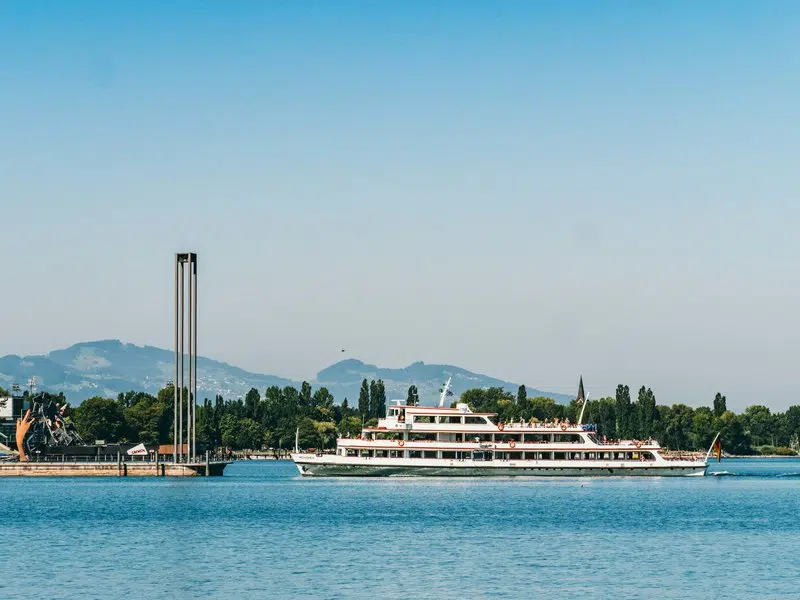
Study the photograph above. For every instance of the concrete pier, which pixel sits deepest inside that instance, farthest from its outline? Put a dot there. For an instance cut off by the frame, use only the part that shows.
(111, 469)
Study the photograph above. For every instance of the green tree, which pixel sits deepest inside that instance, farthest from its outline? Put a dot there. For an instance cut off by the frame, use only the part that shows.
(733, 437)
(363, 401)
(305, 399)
(719, 405)
(373, 399)
(413, 396)
(602, 412)
(647, 413)
(322, 402)
(703, 432)
(790, 427)
(251, 404)
(229, 430)
(759, 425)
(380, 399)
(99, 419)
(206, 430)
(308, 435)
(522, 395)
(623, 411)
(148, 420)
(349, 426)
(249, 435)
(677, 426)
(542, 407)
(326, 431)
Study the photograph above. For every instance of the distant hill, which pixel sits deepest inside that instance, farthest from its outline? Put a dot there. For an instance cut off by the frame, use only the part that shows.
(107, 367)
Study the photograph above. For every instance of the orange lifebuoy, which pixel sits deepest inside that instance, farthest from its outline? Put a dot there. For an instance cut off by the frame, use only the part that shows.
(400, 442)
(638, 444)
(563, 427)
(500, 426)
(512, 444)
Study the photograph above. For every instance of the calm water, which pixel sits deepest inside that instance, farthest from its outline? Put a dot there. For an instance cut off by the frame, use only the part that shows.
(262, 532)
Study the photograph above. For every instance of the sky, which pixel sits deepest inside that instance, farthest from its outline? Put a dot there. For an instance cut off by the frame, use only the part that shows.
(531, 190)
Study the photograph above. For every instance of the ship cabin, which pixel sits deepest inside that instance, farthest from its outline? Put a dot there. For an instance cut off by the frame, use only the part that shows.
(423, 432)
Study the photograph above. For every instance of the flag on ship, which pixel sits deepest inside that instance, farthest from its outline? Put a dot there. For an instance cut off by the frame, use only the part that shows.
(581, 396)
(718, 450)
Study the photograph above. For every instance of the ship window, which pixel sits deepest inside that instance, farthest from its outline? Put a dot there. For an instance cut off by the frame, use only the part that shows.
(352, 452)
(380, 453)
(415, 454)
(537, 456)
(474, 420)
(537, 438)
(424, 419)
(427, 437)
(451, 420)
(448, 454)
(429, 454)
(560, 455)
(567, 438)
(395, 454)
(366, 453)
(515, 456)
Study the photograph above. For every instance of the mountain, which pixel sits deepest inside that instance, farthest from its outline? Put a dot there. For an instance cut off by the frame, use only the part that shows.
(107, 367)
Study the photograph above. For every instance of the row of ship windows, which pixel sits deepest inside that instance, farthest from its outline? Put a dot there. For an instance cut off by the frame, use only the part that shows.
(451, 420)
(467, 455)
(498, 438)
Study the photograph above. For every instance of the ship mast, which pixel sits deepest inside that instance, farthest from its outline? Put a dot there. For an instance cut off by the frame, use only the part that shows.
(445, 392)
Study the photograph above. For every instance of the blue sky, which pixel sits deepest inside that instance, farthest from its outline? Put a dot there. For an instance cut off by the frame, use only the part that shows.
(532, 190)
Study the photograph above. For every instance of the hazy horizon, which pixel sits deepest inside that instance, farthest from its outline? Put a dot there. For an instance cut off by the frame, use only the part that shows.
(529, 191)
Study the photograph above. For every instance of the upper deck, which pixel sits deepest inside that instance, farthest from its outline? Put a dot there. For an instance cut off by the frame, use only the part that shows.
(402, 417)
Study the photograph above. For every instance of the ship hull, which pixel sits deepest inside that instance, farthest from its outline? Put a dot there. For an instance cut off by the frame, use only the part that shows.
(329, 466)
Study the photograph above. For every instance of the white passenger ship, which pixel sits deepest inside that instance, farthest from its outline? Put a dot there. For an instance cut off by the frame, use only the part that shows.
(439, 441)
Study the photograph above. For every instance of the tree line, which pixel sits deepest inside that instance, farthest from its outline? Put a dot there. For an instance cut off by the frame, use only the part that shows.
(271, 420)
(252, 422)
(676, 427)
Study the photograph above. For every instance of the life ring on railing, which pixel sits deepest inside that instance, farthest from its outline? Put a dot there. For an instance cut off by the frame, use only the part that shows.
(500, 427)
(512, 444)
(563, 427)
(400, 442)
(638, 444)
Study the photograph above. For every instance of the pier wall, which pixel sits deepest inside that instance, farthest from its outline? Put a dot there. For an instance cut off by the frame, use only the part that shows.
(124, 469)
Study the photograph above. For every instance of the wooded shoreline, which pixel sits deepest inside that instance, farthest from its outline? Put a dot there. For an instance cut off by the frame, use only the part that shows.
(269, 422)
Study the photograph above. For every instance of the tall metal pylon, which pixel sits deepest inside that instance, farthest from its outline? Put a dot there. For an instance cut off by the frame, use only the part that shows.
(184, 448)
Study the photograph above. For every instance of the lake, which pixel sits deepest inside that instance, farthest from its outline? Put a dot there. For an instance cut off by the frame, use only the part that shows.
(262, 532)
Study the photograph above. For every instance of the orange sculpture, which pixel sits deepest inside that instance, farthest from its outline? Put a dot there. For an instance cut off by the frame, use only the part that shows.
(23, 425)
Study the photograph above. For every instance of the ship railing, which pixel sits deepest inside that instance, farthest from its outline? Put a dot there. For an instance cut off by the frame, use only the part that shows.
(549, 425)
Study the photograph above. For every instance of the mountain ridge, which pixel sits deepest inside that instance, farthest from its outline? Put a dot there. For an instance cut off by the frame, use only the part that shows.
(108, 367)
